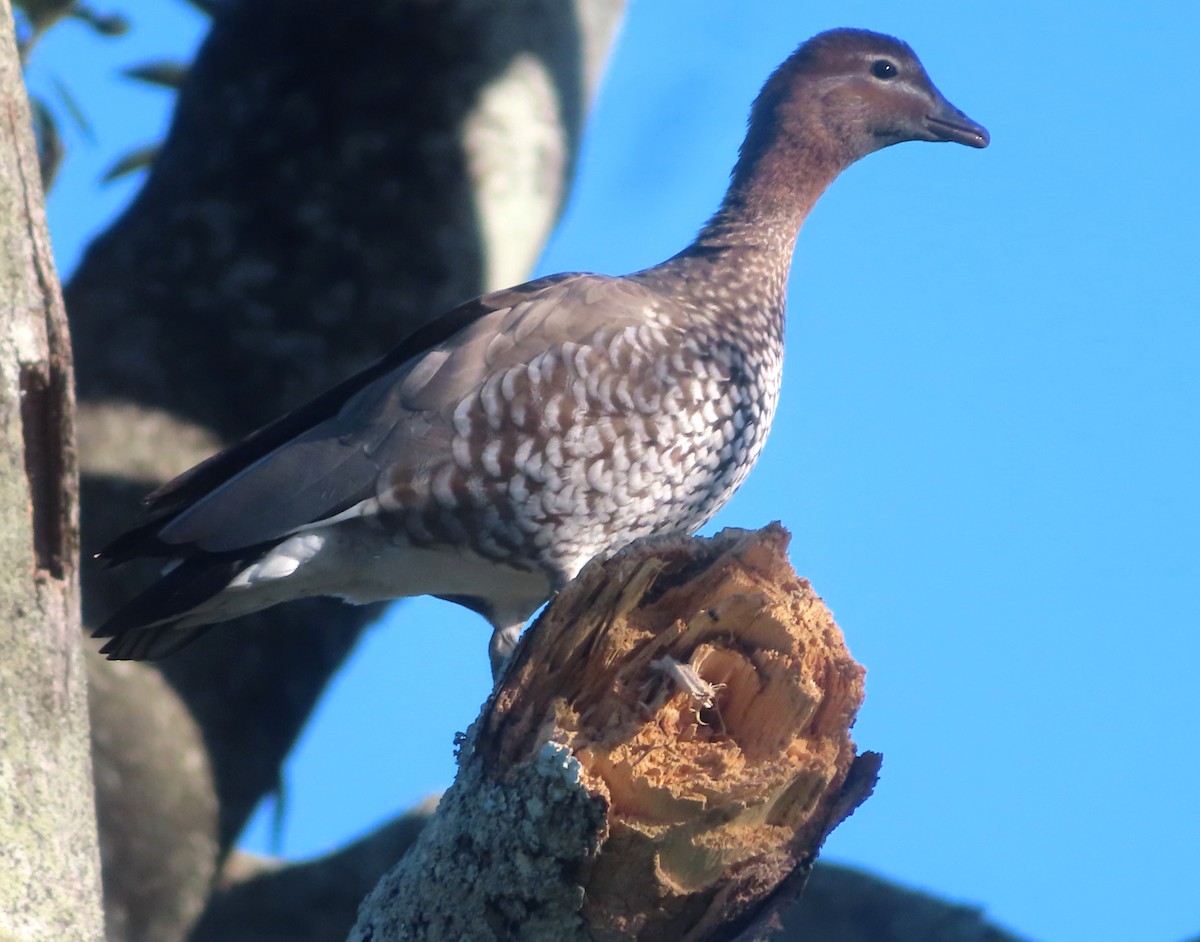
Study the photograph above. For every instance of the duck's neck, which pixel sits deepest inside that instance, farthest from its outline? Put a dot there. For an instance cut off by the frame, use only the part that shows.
(770, 194)
(747, 245)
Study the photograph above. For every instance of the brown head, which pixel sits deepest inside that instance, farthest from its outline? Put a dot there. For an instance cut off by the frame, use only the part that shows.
(844, 94)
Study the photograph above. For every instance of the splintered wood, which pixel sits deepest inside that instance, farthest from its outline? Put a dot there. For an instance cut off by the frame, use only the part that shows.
(708, 696)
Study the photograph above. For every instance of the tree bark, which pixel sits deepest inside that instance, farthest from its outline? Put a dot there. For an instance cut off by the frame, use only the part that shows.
(48, 850)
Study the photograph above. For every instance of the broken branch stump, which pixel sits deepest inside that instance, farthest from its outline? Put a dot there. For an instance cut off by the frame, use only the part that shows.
(662, 760)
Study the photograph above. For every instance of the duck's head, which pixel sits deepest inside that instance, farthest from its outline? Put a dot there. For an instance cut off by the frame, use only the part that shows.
(848, 92)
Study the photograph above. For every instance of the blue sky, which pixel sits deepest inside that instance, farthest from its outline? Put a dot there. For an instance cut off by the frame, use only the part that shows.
(987, 450)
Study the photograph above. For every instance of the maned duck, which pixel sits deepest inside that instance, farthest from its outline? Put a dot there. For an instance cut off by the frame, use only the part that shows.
(495, 451)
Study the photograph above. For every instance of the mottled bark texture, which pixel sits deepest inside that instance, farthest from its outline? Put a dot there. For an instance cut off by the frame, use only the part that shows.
(604, 794)
(335, 175)
(49, 865)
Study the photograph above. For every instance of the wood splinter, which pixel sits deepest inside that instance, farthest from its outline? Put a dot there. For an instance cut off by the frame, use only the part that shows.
(687, 703)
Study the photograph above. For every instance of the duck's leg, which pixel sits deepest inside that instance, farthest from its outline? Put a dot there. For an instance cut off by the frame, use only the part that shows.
(500, 648)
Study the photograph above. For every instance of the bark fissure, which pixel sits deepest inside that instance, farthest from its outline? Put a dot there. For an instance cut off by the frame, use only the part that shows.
(45, 390)
(40, 422)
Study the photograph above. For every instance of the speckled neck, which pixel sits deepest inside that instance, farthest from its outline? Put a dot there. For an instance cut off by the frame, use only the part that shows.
(746, 248)
(771, 191)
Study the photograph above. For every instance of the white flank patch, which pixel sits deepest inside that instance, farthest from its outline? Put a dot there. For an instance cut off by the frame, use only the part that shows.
(282, 561)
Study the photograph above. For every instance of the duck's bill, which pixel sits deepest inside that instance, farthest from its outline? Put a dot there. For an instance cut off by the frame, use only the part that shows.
(947, 123)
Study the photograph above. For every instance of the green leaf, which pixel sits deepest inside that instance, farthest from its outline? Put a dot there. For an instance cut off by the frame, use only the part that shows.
(207, 7)
(137, 159)
(74, 109)
(42, 13)
(50, 147)
(106, 24)
(166, 73)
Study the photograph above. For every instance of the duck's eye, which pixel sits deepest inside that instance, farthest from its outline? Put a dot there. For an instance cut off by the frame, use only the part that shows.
(884, 69)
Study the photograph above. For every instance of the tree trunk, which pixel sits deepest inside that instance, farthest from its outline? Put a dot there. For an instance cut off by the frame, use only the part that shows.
(48, 851)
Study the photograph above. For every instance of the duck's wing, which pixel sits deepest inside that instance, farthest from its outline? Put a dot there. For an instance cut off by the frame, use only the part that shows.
(328, 457)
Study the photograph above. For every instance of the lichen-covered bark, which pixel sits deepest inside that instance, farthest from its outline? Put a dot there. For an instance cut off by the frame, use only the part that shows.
(335, 175)
(49, 888)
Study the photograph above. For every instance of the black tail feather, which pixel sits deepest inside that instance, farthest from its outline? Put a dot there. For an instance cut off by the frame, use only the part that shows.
(151, 644)
(147, 626)
(139, 542)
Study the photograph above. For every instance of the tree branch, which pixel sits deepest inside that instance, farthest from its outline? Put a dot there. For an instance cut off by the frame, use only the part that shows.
(847, 905)
(597, 798)
(261, 900)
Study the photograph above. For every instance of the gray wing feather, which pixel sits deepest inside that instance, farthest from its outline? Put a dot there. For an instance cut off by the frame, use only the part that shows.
(400, 419)
(311, 477)
(568, 311)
